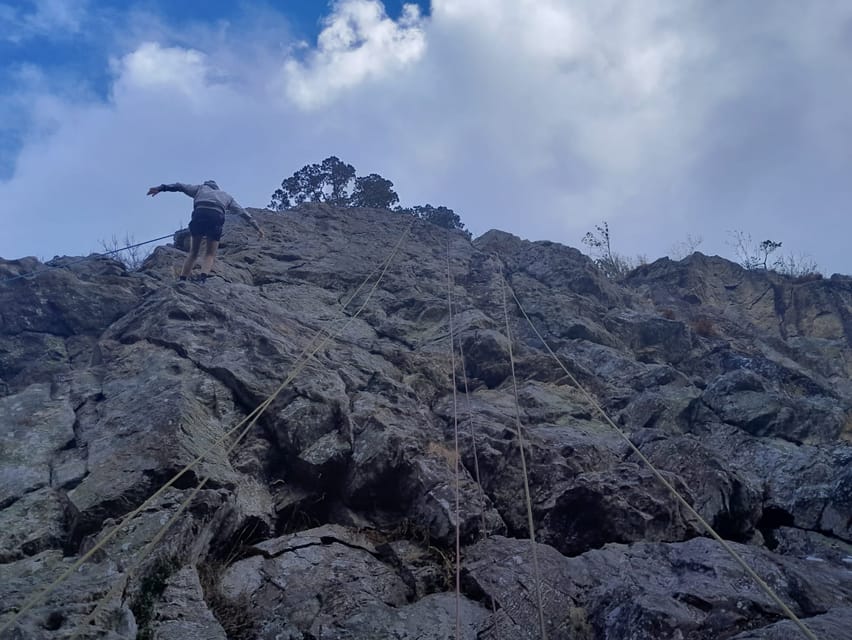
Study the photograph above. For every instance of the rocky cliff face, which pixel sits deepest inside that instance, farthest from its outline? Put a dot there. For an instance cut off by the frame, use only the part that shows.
(335, 517)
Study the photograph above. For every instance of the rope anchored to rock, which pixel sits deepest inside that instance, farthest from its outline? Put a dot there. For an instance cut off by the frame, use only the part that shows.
(48, 267)
(527, 496)
(457, 455)
(668, 485)
(249, 421)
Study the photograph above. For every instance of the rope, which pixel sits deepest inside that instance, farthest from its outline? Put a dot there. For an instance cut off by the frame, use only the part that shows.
(471, 433)
(124, 580)
(473, 439)
(303, 361)
(727, 547)
(48, 267)
(524, 464)
(456, 439)
(312, 352)
(483, 522)
(251, 418)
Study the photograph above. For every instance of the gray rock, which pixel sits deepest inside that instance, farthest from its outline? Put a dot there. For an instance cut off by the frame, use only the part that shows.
(832, 625)
(134, 441)
(744, 399)
(730, 501)
(63, 612)
(102, 292)
(309, 581)
(500, 571)
(38, 521)
(182, 612)
(736, 384)
(433, 616)
(812, 546)
(651, 338)
(802, 486)
(683, 590)
(624, 504)
(67, 468)
(34, 425)
(30, 357)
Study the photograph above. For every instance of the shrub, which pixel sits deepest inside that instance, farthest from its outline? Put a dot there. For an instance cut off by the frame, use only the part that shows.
(125, 252)
(614, 266)
(755, 257)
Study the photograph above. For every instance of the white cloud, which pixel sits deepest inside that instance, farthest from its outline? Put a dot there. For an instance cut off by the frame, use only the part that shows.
(44, 17)
(154, 66)
(539, 117)
(185, 78)
(358, 43)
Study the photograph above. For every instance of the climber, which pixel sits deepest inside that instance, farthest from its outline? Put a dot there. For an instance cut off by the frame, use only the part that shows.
(208, 215)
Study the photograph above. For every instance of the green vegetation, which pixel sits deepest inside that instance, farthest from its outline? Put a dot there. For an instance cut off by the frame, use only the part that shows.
(333, 181)
(152, 588)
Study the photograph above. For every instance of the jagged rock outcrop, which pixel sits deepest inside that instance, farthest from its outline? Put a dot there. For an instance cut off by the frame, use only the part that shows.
(335, 516)
(681, 590)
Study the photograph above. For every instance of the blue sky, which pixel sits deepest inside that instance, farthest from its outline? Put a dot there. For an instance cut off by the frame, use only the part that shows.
(35, 36)
(679, 123)
(82, 53)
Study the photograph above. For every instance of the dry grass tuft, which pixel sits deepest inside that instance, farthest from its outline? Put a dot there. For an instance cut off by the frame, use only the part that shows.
(846, 432)
(704, 327)
(441, 450)
(233, 615)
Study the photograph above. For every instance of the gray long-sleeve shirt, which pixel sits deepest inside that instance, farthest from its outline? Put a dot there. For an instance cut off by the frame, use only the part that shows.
(206, 197)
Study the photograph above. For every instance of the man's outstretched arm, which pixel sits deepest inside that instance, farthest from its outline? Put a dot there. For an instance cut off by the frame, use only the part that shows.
(188, 189)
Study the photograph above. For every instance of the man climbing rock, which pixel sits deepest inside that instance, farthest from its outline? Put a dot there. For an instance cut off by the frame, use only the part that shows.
(209, 205)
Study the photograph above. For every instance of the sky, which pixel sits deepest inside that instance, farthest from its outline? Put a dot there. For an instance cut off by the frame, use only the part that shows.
(681, 123)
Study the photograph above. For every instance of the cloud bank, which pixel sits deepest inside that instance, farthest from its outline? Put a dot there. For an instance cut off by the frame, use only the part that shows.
(540, 117)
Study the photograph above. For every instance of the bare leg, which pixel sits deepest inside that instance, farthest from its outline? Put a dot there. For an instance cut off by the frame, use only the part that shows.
(194, 247)
(209, 256)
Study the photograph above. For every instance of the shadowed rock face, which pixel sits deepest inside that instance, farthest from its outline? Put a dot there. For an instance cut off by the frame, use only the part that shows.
(335, 516)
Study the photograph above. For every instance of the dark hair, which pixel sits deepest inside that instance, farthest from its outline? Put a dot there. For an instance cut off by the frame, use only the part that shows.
(212, 184)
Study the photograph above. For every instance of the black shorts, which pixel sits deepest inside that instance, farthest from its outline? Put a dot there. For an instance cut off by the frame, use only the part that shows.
(207, 223)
